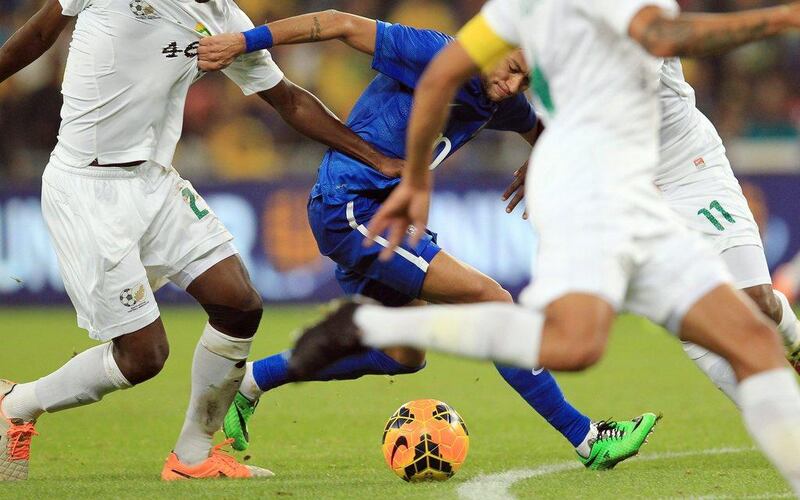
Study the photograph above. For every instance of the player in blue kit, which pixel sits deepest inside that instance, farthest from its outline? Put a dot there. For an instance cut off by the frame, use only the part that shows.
(348, 193)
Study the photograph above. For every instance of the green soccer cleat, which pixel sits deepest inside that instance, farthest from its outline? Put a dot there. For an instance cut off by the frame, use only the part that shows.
(235, 423)
(618, 441)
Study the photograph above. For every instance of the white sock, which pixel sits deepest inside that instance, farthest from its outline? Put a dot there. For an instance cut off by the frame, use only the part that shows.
(585, 448)
(716, 368)
(22, 403)
(789, 324)
(85, 379)
(771, 410)
(217, 370)
(500, 332)
(249, 387)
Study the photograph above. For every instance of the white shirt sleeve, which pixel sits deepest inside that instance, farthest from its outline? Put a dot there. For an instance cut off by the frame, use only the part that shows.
(72, 8)
(254, 72)
(618, 14)
(501, 16)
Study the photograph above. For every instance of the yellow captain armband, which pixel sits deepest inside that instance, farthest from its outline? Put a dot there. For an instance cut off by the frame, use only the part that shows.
(485, 47)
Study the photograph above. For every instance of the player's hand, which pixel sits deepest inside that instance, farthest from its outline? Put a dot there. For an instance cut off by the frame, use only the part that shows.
(218, 52)
(392, 167)
(518, 187)
(404, 213)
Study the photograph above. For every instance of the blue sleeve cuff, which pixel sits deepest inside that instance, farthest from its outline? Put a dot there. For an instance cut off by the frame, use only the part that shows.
(259, 38)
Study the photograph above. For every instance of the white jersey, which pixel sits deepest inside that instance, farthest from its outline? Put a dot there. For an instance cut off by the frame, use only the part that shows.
(599, 89)
(130, 66)
(689, 141)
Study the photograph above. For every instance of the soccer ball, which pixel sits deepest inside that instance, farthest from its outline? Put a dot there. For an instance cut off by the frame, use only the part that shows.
(425, 440)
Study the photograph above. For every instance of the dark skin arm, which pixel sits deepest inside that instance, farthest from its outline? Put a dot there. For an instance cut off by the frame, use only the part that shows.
(218, 52)
(697, 35)
(298, 107)
(306, 114)
(32, 40)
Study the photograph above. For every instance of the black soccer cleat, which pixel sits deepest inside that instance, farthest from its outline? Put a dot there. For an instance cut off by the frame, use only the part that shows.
(330, 340)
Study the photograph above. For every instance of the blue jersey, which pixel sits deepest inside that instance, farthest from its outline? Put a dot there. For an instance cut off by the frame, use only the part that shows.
(382, 112)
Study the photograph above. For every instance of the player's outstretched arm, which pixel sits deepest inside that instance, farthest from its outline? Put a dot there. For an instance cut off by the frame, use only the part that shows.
(218, 52)
(33, 39)
(356, 31)
(695, 35)
(306, 114)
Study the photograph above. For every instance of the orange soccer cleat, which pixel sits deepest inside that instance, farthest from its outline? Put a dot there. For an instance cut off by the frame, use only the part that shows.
(218, 465)
(15, 442)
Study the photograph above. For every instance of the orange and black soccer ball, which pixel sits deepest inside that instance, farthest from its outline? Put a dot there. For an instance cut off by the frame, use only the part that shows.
(425, 440)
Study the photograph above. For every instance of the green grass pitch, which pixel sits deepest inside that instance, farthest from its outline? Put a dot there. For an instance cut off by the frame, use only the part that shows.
(322, 440)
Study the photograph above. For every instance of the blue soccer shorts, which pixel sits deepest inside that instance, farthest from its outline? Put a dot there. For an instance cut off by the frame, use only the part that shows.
(340, 231)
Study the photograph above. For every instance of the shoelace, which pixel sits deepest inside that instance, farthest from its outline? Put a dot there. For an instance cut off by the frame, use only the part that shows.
(226, 461)
(608, 430)
(19, 441)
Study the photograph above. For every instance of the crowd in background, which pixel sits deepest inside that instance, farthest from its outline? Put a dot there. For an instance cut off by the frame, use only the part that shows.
(750, 93)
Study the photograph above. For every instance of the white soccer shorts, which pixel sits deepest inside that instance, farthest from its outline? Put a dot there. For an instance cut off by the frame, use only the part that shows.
(625, 247)
(120, 234)
(711, 202)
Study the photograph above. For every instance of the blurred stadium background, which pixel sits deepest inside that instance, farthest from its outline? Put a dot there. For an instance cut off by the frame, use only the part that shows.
(256, 172)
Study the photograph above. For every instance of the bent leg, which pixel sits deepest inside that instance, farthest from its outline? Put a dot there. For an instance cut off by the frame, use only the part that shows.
(272, 372)
(234, 309)
(119, 307)
(340, 234)
(725, 323)
(445, 280)
(571, 338)
(717, 368)
(453, 282)
(129, 360)
(748, 267)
